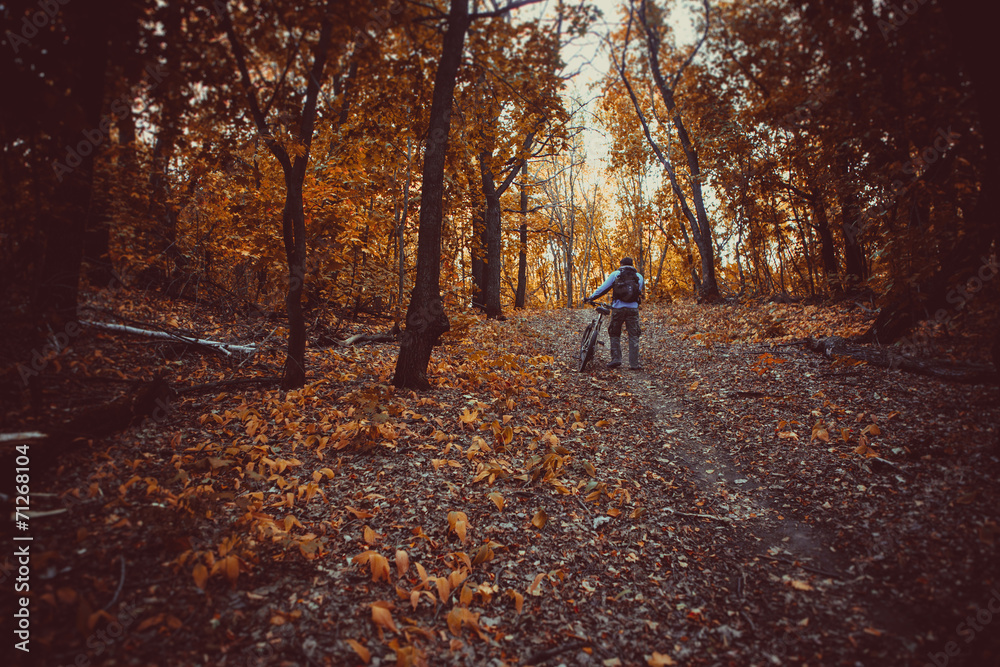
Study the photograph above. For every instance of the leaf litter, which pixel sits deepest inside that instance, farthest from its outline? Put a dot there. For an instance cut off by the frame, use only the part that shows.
(737, 502)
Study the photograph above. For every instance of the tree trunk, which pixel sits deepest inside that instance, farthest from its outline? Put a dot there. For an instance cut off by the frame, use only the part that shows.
(478, 253)
(293, 224)
(293, 232)
(854, 261)
(708, 289)
(401, 232)
(491, 241)
(522, 252)
(965, 261)
(494, 258)
(63, 226)
(425, 317)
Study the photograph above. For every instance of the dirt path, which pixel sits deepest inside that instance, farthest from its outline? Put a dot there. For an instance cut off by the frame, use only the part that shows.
(809, 542)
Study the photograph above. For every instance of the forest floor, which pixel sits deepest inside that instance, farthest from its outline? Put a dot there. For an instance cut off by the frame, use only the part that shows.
(738, 501)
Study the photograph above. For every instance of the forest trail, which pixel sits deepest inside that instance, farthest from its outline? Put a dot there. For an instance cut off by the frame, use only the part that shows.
(739, 501)
(751, 431)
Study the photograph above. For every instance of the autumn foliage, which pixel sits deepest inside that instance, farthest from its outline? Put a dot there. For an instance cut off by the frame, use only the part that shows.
(335, 250)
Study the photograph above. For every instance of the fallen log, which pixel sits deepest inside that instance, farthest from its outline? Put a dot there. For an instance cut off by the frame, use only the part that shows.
(391, 336)
(223, 384)
(22, 438)
(834, 346)
(225, 348)
(152, 399)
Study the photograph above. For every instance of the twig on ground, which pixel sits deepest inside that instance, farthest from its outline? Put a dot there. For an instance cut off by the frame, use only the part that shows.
(121, 584)
(701, 516)
(554, 651)
(227, 383)
(807, 568)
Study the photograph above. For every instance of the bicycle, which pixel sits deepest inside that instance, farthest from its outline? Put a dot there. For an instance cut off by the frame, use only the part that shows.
(591, 335)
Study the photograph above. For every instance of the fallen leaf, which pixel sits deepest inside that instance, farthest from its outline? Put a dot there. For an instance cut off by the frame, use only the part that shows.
(362, 652)
(659, 660)
(497, 500)
(200, 575)
(382, 617)
(402, 562)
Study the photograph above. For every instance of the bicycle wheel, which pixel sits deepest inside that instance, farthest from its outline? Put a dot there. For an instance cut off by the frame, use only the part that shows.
(587, 345)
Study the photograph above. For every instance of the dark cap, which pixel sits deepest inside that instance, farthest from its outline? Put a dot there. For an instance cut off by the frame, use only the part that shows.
(627, 262)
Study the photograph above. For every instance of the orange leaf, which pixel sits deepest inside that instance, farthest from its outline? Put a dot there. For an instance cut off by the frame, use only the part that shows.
(402, 562)
(533, 589)
(457, 577)
(865, 451)
(380, 567)
(232, 568)
(150, 622)
(382, 617)
(200, 575)
(377, 562)
(540, 519)
(362, 652)
(518, 600)
(497, 500)
(444, 588)
(359, 514)
(459, 523)
(484, 554)
(659, 660)
(455, 621)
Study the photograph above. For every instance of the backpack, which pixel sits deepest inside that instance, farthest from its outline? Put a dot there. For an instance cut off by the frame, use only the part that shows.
(626, 288)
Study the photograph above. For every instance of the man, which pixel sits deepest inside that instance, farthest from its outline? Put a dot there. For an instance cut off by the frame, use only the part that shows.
(628, 285)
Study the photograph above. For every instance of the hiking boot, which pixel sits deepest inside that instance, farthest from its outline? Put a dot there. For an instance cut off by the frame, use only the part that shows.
(616, 352)
(633, 353)
(635, 368)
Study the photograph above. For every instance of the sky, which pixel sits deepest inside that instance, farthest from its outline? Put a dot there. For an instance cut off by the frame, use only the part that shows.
(588, 57)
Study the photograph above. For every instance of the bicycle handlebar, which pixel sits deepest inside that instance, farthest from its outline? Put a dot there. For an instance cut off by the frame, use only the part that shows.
(601, 306)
